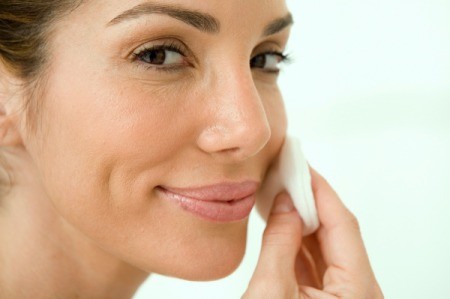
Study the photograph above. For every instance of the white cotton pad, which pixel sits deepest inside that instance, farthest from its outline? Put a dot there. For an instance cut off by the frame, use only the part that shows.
(291, 172)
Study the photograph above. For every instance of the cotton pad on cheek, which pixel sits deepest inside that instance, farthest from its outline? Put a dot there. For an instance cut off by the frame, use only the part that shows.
(291, 172)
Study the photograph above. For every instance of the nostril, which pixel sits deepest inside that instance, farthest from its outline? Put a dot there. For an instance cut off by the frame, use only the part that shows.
(230, 151)
(234, 150)
(235, 154)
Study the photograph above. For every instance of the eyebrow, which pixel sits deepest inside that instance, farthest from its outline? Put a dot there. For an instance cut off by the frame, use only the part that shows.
(278, 25)
(202, 21)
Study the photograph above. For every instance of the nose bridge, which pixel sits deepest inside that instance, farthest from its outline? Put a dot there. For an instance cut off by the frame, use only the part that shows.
(237, 125)
(240, 102)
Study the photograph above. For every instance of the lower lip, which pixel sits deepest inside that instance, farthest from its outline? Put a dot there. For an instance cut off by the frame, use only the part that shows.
(218, 211)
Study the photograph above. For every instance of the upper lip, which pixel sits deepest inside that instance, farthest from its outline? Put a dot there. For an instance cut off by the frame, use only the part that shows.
(217, 192)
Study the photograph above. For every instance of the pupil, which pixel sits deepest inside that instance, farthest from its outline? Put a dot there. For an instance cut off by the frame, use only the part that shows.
(155, 57)
(258, 61)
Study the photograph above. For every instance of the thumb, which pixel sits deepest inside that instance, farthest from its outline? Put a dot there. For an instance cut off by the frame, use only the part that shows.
(281, 240)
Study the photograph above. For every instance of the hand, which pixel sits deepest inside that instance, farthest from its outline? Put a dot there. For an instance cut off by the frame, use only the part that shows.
(331, 263)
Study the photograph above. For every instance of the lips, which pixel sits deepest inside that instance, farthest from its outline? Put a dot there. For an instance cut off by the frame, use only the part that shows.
(224, 202)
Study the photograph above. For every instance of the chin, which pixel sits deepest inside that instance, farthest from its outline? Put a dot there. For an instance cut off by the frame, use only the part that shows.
(207, 259)
(213, 266)
(223, 266)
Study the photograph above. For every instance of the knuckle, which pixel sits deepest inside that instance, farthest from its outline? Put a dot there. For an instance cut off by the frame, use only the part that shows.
(353, 222)
(281, 229)
(271, 287)
(277, 238)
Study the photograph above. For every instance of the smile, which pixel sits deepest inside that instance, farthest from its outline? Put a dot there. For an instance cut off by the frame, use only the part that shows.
(225, 202)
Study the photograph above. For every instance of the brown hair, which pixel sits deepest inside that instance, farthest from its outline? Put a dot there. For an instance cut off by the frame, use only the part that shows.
(25, 28)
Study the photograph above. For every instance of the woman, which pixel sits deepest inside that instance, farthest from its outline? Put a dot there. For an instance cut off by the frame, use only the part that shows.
(112, 111)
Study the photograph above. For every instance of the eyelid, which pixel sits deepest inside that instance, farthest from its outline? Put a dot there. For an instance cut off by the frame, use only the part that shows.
(171, 42)
(282, 55)
(284, 58)
(167, 44)
(164, 44)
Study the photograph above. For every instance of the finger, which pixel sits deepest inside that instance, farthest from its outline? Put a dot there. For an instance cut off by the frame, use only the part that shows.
(281, 240)
(312, 293)
(339, 235)
(306, 269)
(313, 246)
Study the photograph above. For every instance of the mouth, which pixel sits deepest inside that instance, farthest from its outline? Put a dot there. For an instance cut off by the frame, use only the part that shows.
(224, 202)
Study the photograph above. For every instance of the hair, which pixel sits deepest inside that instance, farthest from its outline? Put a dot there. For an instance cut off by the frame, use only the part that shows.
(25, 28)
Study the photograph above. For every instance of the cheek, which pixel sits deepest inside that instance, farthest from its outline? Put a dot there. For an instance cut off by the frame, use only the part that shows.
(93, 139)
(100, 154)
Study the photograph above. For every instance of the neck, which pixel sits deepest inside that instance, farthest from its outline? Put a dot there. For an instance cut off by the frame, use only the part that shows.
(42, 256)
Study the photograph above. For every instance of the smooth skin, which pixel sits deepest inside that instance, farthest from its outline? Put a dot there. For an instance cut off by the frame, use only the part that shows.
(330, 264)
(107, 126)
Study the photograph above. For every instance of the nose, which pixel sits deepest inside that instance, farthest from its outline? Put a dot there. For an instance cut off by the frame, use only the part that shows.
(236, 126)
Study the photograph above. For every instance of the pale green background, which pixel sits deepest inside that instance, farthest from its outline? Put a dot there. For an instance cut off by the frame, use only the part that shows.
(369, 94)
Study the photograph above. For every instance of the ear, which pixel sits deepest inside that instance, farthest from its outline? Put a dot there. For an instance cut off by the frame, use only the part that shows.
(9, 133)
(9, 116)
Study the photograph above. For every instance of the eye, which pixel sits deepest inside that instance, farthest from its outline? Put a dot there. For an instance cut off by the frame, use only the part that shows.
(269, 62)
(161, 56)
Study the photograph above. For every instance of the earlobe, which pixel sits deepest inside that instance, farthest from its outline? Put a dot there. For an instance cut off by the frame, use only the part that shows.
(9, 133)
(9, 130)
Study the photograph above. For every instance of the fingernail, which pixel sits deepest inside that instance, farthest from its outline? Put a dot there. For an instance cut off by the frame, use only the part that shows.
(283, 204)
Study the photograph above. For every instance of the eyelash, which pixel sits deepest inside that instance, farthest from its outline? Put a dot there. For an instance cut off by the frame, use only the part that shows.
(284, 58)
(172, 46)
(175, 47)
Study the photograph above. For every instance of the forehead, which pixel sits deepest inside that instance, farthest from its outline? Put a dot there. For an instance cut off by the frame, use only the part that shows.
(240, 13)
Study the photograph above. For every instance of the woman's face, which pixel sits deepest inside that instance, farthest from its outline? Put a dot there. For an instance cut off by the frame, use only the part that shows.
(179, 94)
